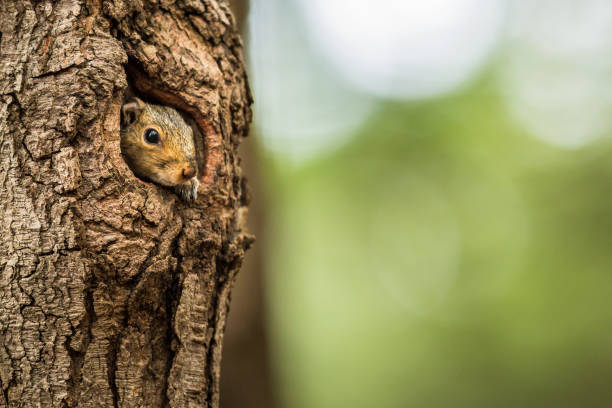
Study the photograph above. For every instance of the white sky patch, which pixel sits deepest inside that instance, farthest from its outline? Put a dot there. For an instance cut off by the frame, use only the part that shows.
(403, 48)
(557, 77)
(301, 110)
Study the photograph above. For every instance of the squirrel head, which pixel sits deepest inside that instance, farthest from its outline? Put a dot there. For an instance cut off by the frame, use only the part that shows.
(157, 143)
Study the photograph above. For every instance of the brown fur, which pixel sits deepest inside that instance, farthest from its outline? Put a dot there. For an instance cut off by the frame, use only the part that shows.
(166, 163)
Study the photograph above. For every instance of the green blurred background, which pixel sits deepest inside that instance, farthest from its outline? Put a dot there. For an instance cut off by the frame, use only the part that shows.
(433, 193)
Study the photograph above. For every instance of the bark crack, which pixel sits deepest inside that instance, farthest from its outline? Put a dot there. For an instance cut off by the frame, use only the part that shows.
(172, 295)
(112, 369)
(67, 70)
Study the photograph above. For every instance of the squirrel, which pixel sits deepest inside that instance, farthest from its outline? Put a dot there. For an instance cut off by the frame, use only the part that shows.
(158, 146)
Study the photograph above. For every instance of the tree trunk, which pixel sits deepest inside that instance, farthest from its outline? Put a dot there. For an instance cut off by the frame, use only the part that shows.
(114, 292)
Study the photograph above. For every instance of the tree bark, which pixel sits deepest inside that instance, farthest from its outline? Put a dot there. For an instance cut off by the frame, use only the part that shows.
(113, 291)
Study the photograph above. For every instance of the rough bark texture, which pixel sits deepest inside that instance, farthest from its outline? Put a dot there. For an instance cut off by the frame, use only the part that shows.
(114, 292)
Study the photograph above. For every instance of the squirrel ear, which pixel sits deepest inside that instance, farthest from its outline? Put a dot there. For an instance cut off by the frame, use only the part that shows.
(131, 110)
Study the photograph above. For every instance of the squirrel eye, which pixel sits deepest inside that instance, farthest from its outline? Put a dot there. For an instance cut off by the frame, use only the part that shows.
(151, 136)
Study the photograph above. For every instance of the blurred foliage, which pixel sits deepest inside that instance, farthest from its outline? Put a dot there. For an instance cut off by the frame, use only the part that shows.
(443, 258)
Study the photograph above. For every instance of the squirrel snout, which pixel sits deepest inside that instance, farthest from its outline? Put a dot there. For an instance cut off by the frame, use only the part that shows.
(189, 172)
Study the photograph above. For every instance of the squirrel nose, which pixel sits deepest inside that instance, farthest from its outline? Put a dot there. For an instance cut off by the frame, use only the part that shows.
(189, 172)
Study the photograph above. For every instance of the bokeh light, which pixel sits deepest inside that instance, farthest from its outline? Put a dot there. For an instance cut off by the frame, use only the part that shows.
(419, 269)
(428, 243)
(405, 49)
(302, 109)
(557, 70)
